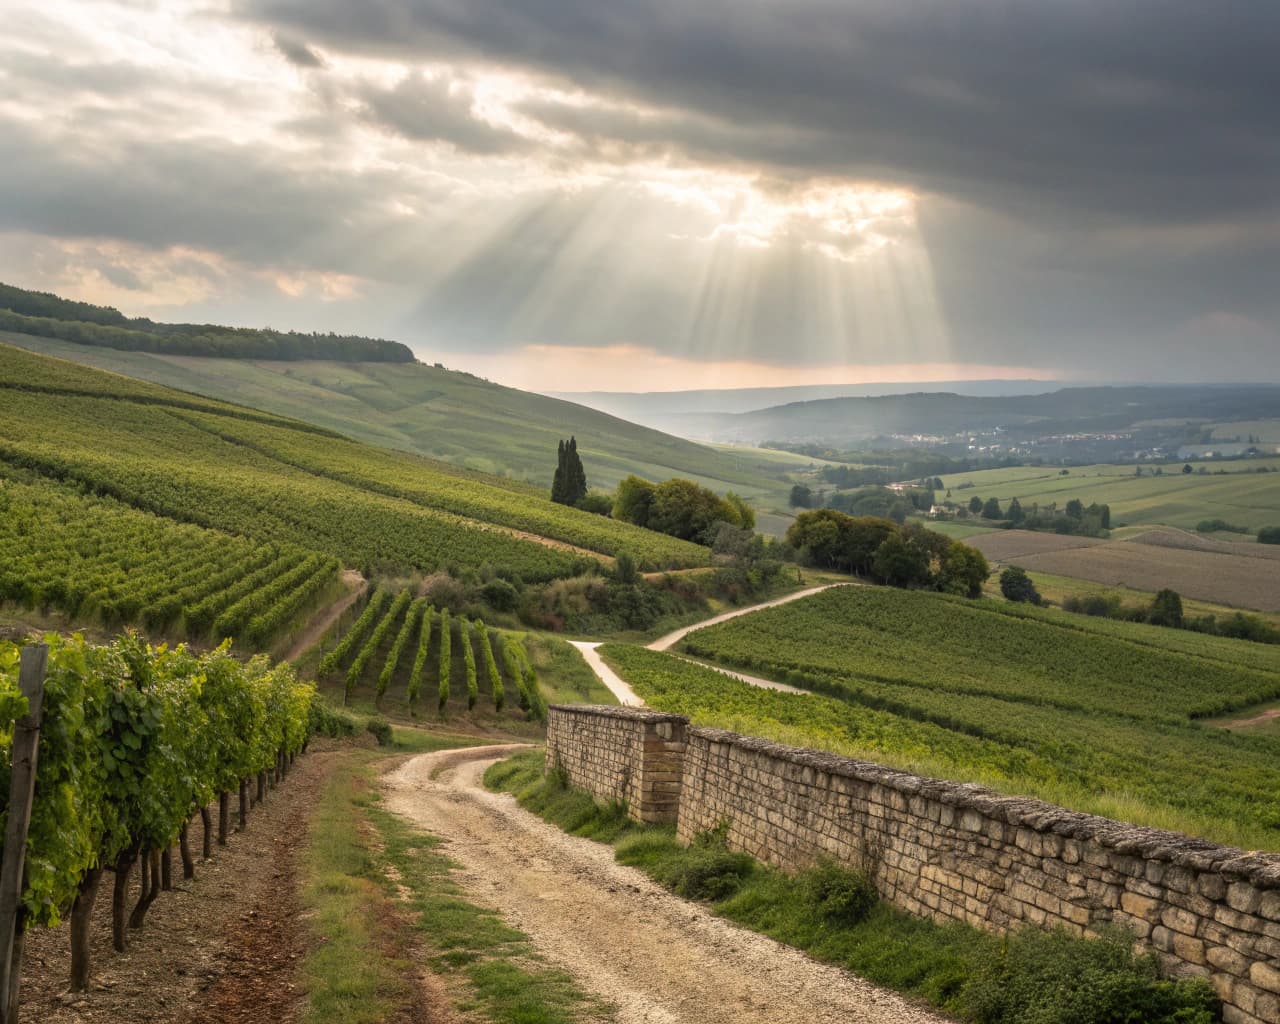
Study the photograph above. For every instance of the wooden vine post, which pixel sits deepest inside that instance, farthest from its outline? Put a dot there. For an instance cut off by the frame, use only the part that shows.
(26, 749)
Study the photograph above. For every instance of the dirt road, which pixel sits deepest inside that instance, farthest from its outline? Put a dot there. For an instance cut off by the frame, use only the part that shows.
(665, 643)
(356, 585)
(615, 684)
(657, 958)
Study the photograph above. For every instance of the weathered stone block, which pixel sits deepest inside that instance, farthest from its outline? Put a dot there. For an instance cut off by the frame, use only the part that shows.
(1243, 897)
(1142, 907)
(1265, 976)
(1227, 960)
(1188, 949)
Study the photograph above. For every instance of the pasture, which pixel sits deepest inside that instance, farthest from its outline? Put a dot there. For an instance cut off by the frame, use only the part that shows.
(1232, 491)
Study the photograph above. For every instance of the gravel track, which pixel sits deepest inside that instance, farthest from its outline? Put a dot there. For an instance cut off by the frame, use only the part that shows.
(665, 643)
(657, 958)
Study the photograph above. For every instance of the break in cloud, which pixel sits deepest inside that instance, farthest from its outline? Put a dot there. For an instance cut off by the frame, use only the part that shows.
(564, 193)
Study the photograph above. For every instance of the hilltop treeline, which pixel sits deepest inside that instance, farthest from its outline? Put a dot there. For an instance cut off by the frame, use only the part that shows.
(50, 316)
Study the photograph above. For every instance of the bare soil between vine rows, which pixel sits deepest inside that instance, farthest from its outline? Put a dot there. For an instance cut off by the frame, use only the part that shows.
(220, 949)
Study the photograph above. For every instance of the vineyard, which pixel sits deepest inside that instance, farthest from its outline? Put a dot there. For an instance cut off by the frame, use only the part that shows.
(134, 742)
(403, 651)
(276, 481)
(1098, 720)
(100, 561)
(448, 489)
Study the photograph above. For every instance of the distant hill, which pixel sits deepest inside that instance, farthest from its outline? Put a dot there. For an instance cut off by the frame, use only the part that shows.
(443, 414)
(844, 422)
(50, 316)
(663, 409)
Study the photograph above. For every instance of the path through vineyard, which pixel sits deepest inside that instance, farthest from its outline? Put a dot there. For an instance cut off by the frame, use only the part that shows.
(318, 626)
(656, 957)
(223, 949)
(628, 697)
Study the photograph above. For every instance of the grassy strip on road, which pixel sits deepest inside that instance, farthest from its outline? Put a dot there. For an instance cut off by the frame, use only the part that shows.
(383, 905)
(1028, 977)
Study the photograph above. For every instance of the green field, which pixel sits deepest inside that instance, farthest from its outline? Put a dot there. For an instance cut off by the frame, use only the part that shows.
(100, 562)
(1092, 714)
(1232, 491)
(1266, 431)
(279, 481)
(447, 415)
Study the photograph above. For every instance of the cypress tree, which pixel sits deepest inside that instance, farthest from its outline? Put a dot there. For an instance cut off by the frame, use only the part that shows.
(558, 481)
(569, 485)
(575, 475)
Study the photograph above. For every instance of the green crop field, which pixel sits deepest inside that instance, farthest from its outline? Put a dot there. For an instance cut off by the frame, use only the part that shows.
(402, 655)
(278, 481)
(1233, 491)
(1093, 714)
(447, 415)
(1265, 432)
(103, 563)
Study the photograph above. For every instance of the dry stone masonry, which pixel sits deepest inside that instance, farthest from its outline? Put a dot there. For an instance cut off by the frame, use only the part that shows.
(942, 849)
(623, 754)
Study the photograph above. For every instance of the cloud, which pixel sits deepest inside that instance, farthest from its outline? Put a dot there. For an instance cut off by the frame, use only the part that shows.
(1153, 110)
(437, 109)
(297, 52)
(845, 182)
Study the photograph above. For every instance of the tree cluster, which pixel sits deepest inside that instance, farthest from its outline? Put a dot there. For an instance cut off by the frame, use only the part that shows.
(49, 316)
(1166, 609)
(1074, 518)
(901, 556)
(680, 508)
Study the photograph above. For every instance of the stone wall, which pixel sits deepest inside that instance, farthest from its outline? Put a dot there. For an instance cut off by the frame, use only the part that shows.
(961, 852)
(624, 754)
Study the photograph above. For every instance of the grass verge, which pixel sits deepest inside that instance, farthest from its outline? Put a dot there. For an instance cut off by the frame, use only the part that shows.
(831, 912)
(382, 903)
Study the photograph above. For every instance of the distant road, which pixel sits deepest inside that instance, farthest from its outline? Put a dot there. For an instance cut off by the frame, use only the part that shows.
(665, 643)
(628, 697)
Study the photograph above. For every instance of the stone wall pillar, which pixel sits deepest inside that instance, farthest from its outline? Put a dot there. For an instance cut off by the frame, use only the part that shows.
(627, 754)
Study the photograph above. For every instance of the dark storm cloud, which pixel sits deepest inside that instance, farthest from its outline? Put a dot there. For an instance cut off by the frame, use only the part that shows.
(1153, 110)
(434, 110)
(296, 52)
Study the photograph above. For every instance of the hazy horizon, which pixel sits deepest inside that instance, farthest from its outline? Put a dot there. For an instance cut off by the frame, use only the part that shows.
(564, 197)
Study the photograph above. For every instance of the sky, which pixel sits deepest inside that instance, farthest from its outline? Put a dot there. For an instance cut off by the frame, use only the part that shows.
(663, 195)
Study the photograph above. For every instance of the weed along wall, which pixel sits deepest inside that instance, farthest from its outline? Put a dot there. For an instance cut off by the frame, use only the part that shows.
(942, 849)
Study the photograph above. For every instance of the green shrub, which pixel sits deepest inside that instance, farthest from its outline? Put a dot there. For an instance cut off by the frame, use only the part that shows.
(1036, 977)
(1219, 526)
(500, 595)
(705, 870)
(1016, 585)
(1269, 535)
(837, 894)
(326, 721)
(380, 729)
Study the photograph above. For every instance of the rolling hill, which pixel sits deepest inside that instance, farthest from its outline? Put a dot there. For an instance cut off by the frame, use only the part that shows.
(844, 422)
(277, 481)
(442, 414)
